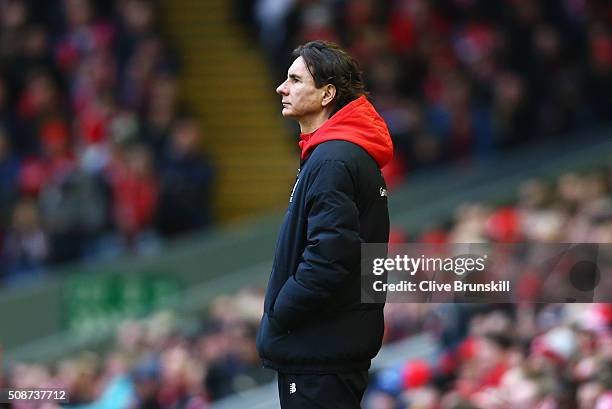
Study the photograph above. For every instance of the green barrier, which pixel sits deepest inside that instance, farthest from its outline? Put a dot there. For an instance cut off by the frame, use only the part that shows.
(99, 302)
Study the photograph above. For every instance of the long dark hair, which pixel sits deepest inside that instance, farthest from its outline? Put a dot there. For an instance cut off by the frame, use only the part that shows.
(330, 64)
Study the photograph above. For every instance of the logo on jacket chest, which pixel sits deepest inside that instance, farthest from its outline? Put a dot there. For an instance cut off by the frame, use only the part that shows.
(293, 190)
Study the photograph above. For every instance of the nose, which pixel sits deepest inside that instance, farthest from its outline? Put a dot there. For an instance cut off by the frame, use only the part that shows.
(282, 88)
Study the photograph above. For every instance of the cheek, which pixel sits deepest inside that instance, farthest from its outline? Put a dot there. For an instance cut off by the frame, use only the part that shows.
(307, 98)
(303, 100)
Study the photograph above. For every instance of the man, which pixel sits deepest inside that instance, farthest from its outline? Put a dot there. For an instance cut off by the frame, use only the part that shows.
(315, 330)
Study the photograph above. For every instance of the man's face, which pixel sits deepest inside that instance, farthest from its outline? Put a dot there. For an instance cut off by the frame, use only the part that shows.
(300, 97)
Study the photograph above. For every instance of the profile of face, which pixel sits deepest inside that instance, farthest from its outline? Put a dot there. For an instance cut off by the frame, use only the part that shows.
(300, 96)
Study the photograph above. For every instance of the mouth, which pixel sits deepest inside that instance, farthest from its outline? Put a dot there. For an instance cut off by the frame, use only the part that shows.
(285, 103)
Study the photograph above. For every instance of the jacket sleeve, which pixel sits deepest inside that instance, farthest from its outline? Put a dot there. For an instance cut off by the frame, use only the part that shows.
(332, 250)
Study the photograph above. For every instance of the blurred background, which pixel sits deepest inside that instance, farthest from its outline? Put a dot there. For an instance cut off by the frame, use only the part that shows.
(145, 167)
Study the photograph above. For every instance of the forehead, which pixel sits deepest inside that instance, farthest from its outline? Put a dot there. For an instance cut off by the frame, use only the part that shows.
(299, 68)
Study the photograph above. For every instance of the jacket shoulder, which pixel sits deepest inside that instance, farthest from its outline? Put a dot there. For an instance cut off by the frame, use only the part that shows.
(339, 150)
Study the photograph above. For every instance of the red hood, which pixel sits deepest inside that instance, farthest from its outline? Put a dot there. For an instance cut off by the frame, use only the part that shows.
(359, 123)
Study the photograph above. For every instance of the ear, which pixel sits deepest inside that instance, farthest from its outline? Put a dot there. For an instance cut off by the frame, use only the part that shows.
(329, 93)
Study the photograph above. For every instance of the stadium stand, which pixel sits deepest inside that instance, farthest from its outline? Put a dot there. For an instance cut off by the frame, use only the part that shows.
(97, 156)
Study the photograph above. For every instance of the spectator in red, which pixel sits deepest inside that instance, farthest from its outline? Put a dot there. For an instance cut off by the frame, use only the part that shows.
(56, 162)
(134, 193)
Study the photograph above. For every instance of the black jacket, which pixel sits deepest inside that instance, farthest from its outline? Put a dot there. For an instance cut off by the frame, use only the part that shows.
(314, 320)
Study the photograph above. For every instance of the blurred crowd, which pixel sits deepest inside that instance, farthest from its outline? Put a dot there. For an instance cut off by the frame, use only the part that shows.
(503, 356)
(159, 363)
(459, 79)
(97, 157)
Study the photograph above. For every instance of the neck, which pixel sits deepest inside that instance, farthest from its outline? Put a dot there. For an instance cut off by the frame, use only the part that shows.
(312, 123)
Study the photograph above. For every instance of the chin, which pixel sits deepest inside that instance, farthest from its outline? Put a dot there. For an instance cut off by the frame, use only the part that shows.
(287, 113)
